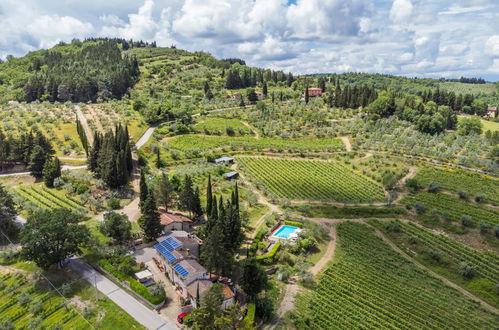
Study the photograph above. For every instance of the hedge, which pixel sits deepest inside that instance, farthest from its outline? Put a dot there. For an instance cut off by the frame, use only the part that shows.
(269, 257)
(249, 319)
(293, 223)
(134, 284)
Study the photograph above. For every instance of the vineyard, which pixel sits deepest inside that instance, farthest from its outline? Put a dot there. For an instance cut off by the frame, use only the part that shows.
(453, 207)
(26, 307)
(462, 88)
(315, 180)
(370, 286)
(450, 253)
(221, 126)
(205, 143)
(48, 198)
(455, 180)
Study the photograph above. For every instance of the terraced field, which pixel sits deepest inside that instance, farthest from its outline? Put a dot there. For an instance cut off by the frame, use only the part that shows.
(314, 180)
(19, 296)
(451, 253)
(454, 207)
(205, 143)
(455, 180)
(48, 198)
(370, 286)
(219, 126)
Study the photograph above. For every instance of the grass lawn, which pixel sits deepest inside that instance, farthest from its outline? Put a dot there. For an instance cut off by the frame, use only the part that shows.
(488, 125)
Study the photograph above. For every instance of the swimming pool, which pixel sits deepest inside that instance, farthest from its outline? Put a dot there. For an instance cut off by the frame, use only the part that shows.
(285, 231)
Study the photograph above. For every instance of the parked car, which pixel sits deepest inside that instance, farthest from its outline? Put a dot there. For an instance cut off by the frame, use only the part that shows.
(181, 316)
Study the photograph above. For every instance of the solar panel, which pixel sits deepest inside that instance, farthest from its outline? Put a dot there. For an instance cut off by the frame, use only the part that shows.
(172, 242)
(165, 251)
(181, 270)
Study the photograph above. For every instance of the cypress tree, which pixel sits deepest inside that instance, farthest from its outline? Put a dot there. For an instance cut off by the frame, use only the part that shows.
(150, 222)
(143, 191)
(94, 153)
(265, 90)
(209, 197)
(306, 95)
(37, 161)
(51, 171)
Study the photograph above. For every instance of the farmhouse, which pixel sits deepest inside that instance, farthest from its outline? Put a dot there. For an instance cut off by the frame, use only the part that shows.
(491, 112)
(231, 175)
(314, 92)
(224, 160)
(179, 253)
(174, 221)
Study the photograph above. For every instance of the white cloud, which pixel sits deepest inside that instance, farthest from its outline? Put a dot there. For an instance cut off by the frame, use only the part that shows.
(492, 46)
(401, 10)
(50, 30)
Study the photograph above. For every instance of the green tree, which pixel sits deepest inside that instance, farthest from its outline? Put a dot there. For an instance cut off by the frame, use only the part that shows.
(117, 226)
(150, 221)
(251, 96)
(470, 125)
(7, 213)
(51, 171)
(144, 190)
(307, 96)
(164, 191)
(209, 197)
(189, 198)
(37, 161)
(51, 236)
(253, 278)
(204, 317)
(265, 90)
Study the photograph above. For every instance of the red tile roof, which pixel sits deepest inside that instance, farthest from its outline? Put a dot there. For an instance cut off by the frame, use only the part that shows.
(167, 218)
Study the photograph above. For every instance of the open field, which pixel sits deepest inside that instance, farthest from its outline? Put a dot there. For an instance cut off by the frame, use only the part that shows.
(453, 207)
(43, 197)
(462, 88)
(420, 241)
(368, 285)
(206, 143)
(455, 180)
(315, 180)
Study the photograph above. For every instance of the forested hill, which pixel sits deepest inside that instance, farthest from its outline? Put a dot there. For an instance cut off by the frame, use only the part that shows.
(79, 72)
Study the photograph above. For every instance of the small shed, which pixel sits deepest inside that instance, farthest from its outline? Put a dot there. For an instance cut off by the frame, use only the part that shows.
(224, 160)
(143, 276)
(231, 175)
(491, 112)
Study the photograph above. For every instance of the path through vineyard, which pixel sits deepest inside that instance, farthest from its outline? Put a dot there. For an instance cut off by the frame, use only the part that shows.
(346, 142)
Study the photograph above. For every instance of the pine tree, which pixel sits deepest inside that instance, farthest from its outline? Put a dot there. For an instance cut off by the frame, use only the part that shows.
(159, 164)
(150, 222)
(265, 91)
(164, 191)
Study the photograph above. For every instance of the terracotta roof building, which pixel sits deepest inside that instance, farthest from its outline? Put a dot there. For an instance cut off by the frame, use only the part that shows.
(173, 221)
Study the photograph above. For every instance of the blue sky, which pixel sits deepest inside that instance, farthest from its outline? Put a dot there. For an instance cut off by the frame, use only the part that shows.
(403, 37)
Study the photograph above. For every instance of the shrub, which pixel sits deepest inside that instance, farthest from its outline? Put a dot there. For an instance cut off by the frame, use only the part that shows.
(434, 254)
(466, 220)
(480, 198)
(466, 271)
(463, 194)
(114, 203)
(412, 184)
(434, 187)
(264, 308)
(394, 226)
(420, 207)
(269, 257)
(484, 227)
(249, 319)
(23, 298)
(293, 223)
(496, 231)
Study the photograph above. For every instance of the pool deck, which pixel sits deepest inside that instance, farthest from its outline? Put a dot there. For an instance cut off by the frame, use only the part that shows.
(275, 238)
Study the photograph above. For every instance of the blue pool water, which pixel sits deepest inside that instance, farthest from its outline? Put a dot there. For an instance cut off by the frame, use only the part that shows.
(285, 231)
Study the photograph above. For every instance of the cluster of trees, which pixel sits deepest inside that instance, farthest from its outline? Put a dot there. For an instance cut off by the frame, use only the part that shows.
(461, 102)
(7, 213)
(83, 136)
(222, 233)
(351, 97)
(240, 76)
(472, 80)
(81, 72)
(149, 221)
(111, 157)
(33, 150)
(427, 117)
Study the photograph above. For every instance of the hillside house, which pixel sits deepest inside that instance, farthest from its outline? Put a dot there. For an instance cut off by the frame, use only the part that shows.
(491, 112)
(313, 92)
(231, 175)
(179, 254)
(173, 221)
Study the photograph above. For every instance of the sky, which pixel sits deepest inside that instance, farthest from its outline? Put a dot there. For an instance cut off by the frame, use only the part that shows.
(432, 38)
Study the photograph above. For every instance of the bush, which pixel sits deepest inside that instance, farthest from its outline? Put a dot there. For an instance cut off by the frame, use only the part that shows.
(293, 223)
(249, 319)
(434, 254)
(496, 231)
(114, 203)
(269, 257)
(480, 198)
(394, 226)
(419, 207)
(463, 194)
(466, 271)
(264, 308)
(466, 220)
(434, 187)
(412, 184)
(484, 227)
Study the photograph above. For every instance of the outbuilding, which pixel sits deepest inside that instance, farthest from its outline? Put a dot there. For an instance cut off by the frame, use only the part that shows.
(231, 175)
(224, 160)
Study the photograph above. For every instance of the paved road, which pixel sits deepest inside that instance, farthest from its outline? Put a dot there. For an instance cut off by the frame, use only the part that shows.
(129, 304)
(145, 137)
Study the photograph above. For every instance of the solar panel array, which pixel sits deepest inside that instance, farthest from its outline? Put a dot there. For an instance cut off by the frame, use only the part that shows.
(181, 270)
(166, 247)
